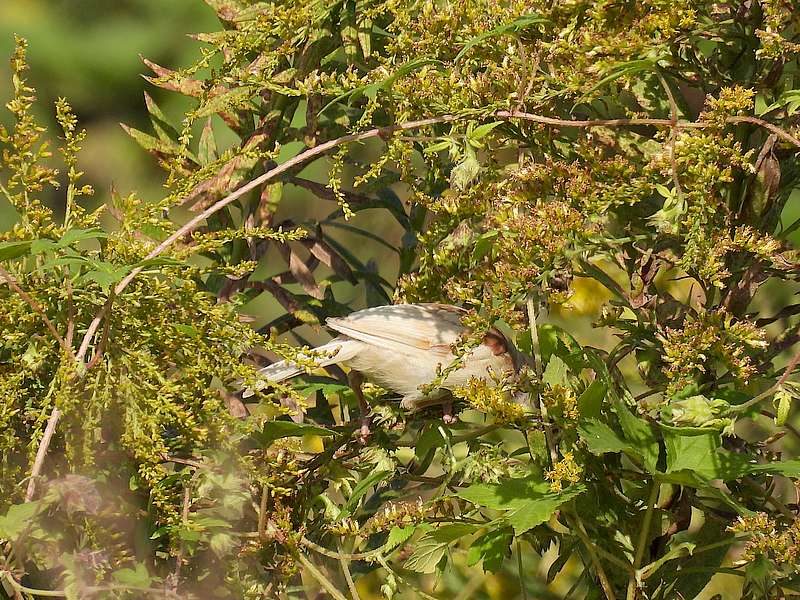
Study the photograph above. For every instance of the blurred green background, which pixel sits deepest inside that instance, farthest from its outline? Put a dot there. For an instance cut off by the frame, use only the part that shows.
(104, 87)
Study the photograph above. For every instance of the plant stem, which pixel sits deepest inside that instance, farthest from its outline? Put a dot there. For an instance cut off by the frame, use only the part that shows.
(41, 453)
(577, 526)
(519, 570)
(31, 591)
(537, 367)
(347, 576)
(642, 542)
(321, 579)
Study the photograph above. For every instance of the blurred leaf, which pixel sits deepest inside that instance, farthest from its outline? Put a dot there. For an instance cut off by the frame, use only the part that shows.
(138, 577)
(12, 250)
(516, 25)
(275, 430)
(18, 519)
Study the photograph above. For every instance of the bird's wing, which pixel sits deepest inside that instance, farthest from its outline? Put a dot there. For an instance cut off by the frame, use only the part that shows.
(406, 328)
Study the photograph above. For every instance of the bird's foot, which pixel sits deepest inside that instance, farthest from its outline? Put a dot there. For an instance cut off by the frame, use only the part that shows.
(364, 432)
(447, 414)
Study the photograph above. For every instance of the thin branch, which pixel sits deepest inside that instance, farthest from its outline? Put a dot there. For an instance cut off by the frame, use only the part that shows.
(371, 555)
(41, 453)
(766, 125)
(641, 544)
(187, 502)
(70, 312)
(347, 576)
(772, 389)
(7, 576)
(262, 512)
(37, 308)
(577, 525)
(321, 579)
(673, 134)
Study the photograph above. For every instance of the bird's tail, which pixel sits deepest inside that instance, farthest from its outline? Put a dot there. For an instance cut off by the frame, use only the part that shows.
(333, 352)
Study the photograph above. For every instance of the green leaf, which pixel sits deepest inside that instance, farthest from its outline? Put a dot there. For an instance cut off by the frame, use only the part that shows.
(363, 486)
(516, 25)
(398, 535)
(465, 172)
(431, 547)
(137, 577)
(221, 544)
(536, 511)
(600, 438)
(702, 456)
(506, 495)
(483, 245)
(640, 435)
(622, 69)
(150, 143)
(528, 502)
(556, 372)
(590, 401)
(12, 250)
(275, 430)
(491, 548)
(18, 519)
(787, 468)
(475, 135)
(207, 147)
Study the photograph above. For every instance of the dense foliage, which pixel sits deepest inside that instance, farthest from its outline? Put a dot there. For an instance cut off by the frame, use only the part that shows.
(509, 156)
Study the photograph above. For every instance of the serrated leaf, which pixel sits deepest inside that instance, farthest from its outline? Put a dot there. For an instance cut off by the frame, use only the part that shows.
(601, 439)
(431, 547)
(506, 495)
(398, 535)
(640, 435)
(465, 172)
(138, 577)
(703, 456)
(536, 511)
(18, 519)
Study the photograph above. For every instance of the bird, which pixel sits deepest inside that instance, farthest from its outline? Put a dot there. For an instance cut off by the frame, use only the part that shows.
(401, 347)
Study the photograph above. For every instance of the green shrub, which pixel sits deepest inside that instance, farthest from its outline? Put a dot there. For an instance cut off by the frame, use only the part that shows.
(506, 157)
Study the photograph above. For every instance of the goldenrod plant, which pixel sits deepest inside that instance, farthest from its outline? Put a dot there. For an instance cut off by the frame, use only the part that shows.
(500, 156)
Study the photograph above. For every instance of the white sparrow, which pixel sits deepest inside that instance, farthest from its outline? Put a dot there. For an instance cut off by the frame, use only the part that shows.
(400, 347)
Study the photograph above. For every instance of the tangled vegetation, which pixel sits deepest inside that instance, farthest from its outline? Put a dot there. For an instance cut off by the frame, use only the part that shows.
(502, 156)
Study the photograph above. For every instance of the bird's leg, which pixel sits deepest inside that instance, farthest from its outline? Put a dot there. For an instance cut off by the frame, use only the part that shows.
(355, 379)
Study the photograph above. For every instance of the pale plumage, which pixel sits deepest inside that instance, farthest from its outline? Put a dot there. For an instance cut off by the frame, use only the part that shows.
(400, 347)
